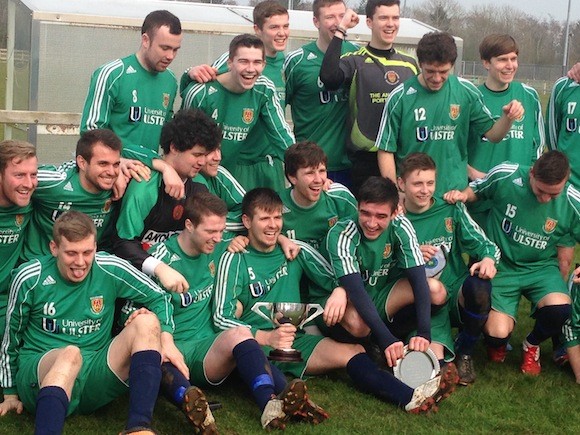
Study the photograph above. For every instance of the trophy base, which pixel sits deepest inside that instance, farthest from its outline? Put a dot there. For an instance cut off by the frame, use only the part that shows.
(291, 355)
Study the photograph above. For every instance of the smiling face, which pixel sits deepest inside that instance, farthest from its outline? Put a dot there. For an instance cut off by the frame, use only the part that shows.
(274, 33)
(418, 187)
(308, 184)
(434, 75)
(101, 172)
(212, 163)
(157, 53)
(374, 218)
(263, 228)
(203, 238)
(245, 67)
(74, 259)
(501, 71)
(188, 163)
(328, 19)
(545, 192)
(384, 25)
(18, 181)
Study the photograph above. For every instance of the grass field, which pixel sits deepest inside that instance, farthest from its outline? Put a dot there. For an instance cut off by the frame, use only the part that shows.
(502, 400)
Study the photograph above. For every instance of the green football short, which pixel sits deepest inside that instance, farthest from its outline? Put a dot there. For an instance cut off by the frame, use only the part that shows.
(194, 353)
(304, 343)
(509, 286)
(95, 386)
(268, 172)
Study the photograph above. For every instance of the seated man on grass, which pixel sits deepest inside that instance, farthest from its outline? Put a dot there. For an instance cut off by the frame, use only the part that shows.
(58, 356)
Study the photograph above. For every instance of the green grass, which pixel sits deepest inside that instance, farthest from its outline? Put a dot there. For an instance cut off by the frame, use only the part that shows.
(501, 400)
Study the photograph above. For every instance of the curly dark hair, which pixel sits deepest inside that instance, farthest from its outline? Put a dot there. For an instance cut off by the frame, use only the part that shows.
(189, 128)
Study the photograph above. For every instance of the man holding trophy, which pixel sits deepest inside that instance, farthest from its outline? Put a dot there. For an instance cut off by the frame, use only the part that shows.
(262, 278)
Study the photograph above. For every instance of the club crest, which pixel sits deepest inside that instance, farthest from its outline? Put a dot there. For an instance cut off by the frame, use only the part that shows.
(97, 304)
(449, 224)
(387, 250)
(392, 78)
(211, 267)
(332, 221)
(177, 212)
(19, 220)
(248, 115)
(454, 111)
(165, 100)
(550, 225)
(107, 206)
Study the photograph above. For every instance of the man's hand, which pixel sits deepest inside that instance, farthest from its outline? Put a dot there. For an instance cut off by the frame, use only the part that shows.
(238, 245)
(171, 279)
(419, 344)
(119, 187)
(335, 307)
(574, 72)
(136, 313)
(135, 169)
(11, 403)
(428, 251)
(202, 73)
(170, 353)
(394, 352)
(576, 273)
(474, 174)
(282, 337)
(454, 196)
(289, 247)
(513, 110)
(485, 269)
(349, 20)
(174, 185)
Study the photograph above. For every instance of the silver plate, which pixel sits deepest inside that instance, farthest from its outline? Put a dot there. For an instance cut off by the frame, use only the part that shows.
(416, 368)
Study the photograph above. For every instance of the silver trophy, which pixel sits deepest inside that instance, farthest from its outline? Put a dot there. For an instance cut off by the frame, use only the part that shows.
(287, 312)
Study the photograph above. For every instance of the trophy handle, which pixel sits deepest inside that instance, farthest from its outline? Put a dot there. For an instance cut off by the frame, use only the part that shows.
(256, 308)
(318, 312)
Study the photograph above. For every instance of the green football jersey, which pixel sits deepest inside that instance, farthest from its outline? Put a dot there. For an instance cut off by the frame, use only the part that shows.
(319, 115)
(237, 114)
(525, 141)
(416, 119)
(192, 310)
(133, 102)
(526, 231)
(59, 190)
(47, 312)
(226, 187)
(311, 224)
(256, 276)
(562, 123)
(452, 227)
(380, 262)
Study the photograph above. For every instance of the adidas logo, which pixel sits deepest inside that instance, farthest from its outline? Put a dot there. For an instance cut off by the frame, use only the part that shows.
(518, 182)
(311, 56)
(574, 84)
(212, 90)
(285, 210)
(68, 187)
(411, 91)
(131, 70)
(49, 280)
(369, 60)
(174, 257)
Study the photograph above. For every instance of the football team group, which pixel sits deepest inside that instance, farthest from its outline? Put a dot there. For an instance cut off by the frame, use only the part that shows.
(413, 206)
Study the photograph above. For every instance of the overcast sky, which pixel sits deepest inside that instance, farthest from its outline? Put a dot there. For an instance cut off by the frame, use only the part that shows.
(539, 8)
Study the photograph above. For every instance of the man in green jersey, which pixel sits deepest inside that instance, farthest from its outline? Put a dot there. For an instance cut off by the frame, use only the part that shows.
(18, 179)
(434, 112)
(308, 199)
(370, 73)
(263, 274)
(445, 231)
(259, 163)
(222, 184)
(238, 98)
(212, 356)
(571, 329)
(148, 214)
(377, 259)
(84, 184)
(525, 141)
(134, 96)
(319, 114)
(58, 356)
(533, 208)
